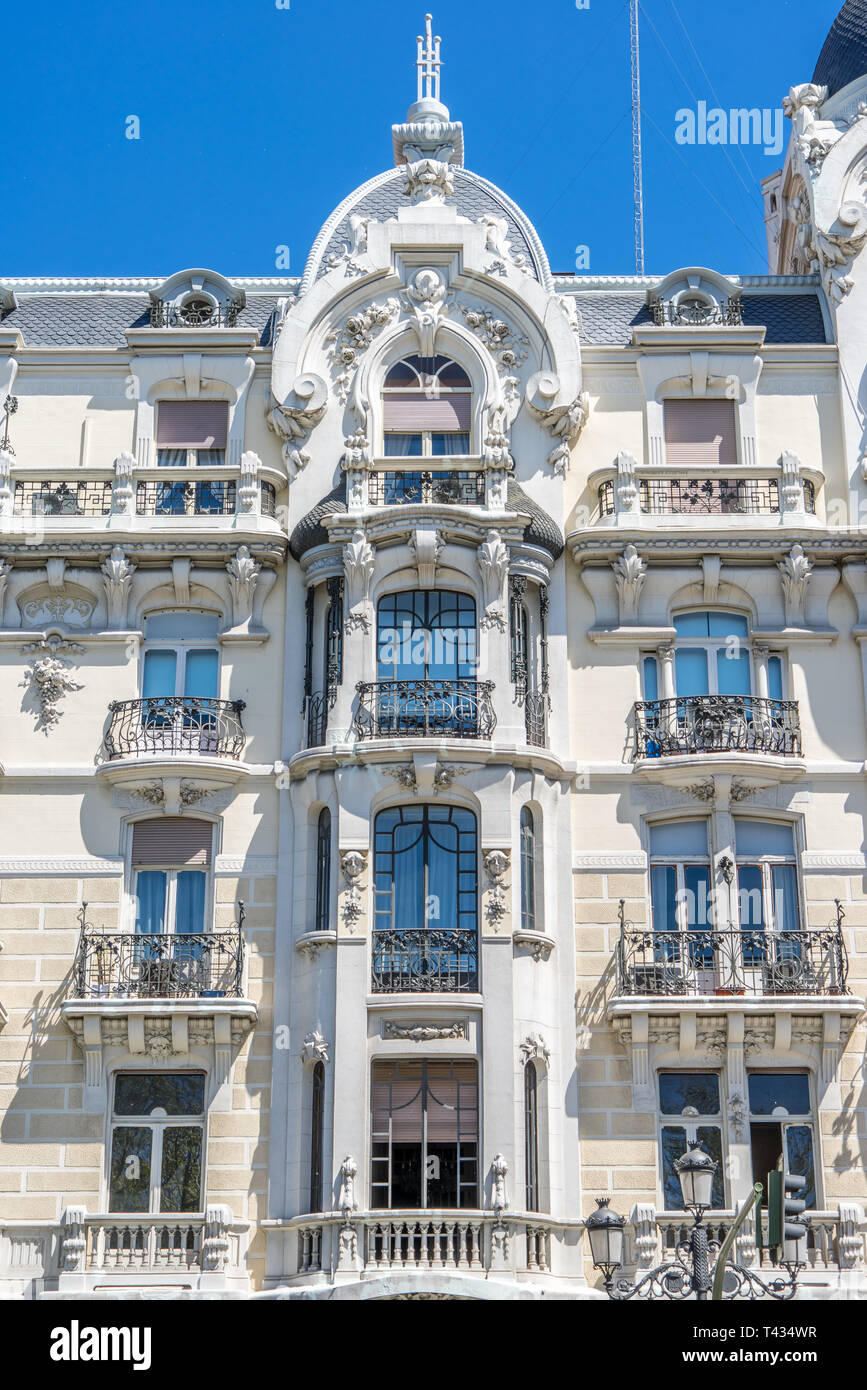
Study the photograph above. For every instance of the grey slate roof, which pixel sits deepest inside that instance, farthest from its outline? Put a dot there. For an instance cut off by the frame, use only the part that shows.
(541, 530)
(609, 318)
(93, 319)
(844, 54)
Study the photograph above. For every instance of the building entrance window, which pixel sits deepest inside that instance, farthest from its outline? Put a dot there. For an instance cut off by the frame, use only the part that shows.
(425, 1122)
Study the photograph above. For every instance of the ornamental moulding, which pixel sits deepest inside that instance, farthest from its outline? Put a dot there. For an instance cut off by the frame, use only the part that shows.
(294, 419)
(564, 422)
(347, 344)
(425, 1032)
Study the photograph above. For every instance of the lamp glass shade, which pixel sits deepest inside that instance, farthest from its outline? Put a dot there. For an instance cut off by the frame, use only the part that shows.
(605, 1233)
(696, 1171)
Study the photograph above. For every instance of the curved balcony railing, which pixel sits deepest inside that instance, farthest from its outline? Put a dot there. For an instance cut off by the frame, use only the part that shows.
(750, 962)
(174, 724)
(717, 724)
(182, 965)
(426, 960)
(424, 709)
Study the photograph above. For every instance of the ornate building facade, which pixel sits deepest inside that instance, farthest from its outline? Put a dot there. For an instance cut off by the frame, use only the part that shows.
(433, 748)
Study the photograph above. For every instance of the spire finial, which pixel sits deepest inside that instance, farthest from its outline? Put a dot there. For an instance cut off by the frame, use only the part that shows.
(428, 63)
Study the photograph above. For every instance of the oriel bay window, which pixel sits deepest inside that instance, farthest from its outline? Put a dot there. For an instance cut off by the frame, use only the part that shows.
(424, 1135)
(781, 1127)
(690, 1111)
(157, 1142)
(425, 896)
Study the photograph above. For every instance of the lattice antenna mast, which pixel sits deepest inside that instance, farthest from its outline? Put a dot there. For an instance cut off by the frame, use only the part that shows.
(428, 63)
(637, 175)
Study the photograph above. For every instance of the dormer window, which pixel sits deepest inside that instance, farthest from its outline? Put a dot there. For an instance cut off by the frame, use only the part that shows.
(427, 409)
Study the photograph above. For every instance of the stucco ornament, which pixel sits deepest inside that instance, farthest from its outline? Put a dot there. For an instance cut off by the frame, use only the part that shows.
(348, 257)
(498, 456)
(795, 573)
(535, 1048)
(630, 573)
(352, 865)
(347, 344)
(314, 1048)
(807, 95)
(295, 419)
(836, 250)
(496, 862)
(507, 346)
(117, 573)
(49, 679)
(563, 422)
(427, 298)
(243, 572)
(493, 560)
(497, 241)
(346, 1201)
(358, 563)
(428, 181)
(499, 1173)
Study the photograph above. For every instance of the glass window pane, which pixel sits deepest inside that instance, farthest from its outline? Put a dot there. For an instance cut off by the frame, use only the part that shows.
(130, 1178)
(755, 838)
(711, 1137)
(181, 623)
(190, 901)
(751, 909)
(177, 1093)
(673, 1147)
(663, 896)
(651, 679)
(779, 1090)
(160, 669)
(445, 444)
(171, 458)
(728, 625)
(696, 882)
(692, 625)
(775, 678)
(690, 672)
(784, 883)
(181, 1181)
(799, 1158)
(681, 838)
(150, 901)
(200, 679)
(733, 671)
(403, 446)
(698, 1091)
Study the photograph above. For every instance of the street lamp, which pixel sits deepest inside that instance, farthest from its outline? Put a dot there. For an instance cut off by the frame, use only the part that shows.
(689, 1273)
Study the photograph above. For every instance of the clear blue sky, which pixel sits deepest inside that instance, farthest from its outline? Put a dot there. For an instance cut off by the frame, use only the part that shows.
(256, 121)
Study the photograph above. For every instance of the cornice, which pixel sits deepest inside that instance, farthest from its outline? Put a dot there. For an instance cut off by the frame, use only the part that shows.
(754, 545)
(126, 284)
(86, 866)
(585, 860)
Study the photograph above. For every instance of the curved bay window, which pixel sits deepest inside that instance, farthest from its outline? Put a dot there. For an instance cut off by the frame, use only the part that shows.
(425, 894)
(528, 870)
(426, 670)
(424, 1136)
(322, 920)
(427, 409)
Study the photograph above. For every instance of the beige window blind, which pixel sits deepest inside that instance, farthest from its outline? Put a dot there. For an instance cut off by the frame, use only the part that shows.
(193, 424)
(173, 840)
(700, 432)
(411, 412)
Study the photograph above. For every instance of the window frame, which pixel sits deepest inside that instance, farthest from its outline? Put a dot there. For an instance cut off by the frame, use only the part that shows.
(691, 1124)
(158, 1124)
(182, 647)
(807, 1120)
(432, 459)
(170, 919)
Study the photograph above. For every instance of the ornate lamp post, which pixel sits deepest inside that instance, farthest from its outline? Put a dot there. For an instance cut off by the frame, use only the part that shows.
(689, 1273)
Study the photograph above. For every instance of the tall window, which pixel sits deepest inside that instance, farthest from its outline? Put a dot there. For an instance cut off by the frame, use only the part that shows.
(170, 864)
(528, 870)
(690, 1111)
(181, 656)
(781, 1127)
(333, 673)
(425, 1133)
(157, 1142)
(767, 898)
(426, 635)
(712, 656)
(519, 638)
(323, 871)
(427, 409)
(317, 1137)
(700, 433)
(531, 1135)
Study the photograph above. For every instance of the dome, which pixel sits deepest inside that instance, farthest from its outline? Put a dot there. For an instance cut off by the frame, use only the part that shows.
(542, 529)
(310, 531)
(844, 55)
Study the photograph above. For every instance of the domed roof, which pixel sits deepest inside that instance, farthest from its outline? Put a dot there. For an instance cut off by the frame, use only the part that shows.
(844, 55)
(541, 529)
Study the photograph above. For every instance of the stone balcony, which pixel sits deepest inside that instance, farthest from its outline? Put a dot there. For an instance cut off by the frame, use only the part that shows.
(174, 751)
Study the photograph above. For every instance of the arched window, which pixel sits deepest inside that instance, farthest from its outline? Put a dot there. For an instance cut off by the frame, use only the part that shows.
(425, 893)
(317, 1136)
(531, 1135)
(323, 871)
(426, 408)
(528, 870)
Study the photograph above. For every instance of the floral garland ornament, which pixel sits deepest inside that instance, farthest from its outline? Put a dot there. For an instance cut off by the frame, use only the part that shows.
(496, 862)
(353, 862)
(50, 678)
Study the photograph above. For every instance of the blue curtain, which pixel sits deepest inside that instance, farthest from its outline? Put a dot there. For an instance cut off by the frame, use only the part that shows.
(200, 677)
(690, 672)
(443, 873)
(150, 901)
(190, 909)
(733, 672)
(409, 875)
(159, 674)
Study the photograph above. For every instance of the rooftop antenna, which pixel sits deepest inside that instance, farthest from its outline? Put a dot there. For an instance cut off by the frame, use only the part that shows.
(428, 63)
(637, 176)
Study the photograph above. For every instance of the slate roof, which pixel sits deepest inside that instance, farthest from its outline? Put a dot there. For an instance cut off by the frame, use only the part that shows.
(844, 54)
(609, 317)
(541, 530)
(94, 319)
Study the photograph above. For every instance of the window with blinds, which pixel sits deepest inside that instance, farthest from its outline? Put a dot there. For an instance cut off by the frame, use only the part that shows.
(701, 433)
(427, 408)
(424, 1133)
(192, 432)
(172, 841)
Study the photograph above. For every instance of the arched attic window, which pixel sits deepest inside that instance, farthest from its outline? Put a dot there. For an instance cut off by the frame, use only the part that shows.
(427, 405)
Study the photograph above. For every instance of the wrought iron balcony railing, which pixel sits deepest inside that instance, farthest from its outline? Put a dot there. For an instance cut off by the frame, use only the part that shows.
(426, 960)
(182, 497)
(694, 314)
(717, 724)
(536, 718)
(393, 488)
(175, 724)
(172, 496)
(424, 709)
(181, 965)
(706, 497)
(53, 498)
(704, 961)
(196, 313)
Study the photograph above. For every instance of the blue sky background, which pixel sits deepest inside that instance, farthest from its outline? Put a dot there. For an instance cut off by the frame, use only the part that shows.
(256, 121)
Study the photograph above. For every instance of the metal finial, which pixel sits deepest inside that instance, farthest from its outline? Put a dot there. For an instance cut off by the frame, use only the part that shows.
(428, 63)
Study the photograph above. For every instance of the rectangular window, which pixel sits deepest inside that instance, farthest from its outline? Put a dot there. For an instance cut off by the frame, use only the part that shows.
(768, 905)
(197, 425)
(690, 1111)
(700, 433)
(781, 1127)
(424, 1132)
(682, 913)
(171, 859)
(156, 1162)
